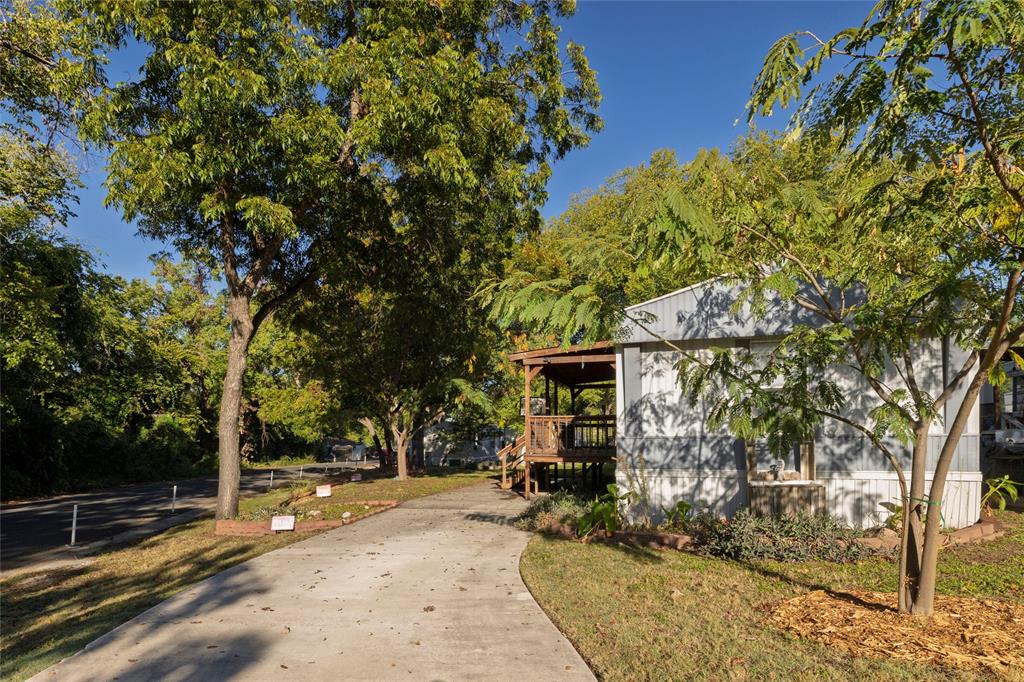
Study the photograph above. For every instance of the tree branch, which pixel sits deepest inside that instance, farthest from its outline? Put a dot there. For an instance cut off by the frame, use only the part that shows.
(983, 133)
(268, 307)
(900, 474)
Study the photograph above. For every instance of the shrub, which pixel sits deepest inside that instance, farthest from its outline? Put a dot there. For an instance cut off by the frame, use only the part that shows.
(164, 450)
(789, 538)
(677, 518)
(560, 506)
(999, 490)
(604, 512)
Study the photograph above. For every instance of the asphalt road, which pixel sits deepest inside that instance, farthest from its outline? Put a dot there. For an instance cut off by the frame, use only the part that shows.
(40, 530)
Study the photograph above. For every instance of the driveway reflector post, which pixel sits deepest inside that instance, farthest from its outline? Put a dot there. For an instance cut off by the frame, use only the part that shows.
(74, 524)
(271, 480)
(174, 498)
(300, 472)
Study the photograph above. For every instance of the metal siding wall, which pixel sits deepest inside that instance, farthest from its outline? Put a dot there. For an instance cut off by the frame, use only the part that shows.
(666, 451)
(704, 311)
(855, 498)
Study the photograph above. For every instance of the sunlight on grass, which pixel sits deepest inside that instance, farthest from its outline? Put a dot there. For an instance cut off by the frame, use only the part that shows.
(656, 615)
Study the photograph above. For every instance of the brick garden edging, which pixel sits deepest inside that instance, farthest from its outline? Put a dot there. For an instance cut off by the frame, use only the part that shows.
(651, 539)
(982, 531)
(255, 528)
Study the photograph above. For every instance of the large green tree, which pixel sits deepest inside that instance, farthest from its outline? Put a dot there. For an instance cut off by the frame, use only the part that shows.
(409, 345)
(279, 135)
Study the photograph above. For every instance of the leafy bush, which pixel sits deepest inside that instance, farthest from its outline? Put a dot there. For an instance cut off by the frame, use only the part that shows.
(747, 537)
(560, 506)
(677, 518)
(999, 490)
(604, 512)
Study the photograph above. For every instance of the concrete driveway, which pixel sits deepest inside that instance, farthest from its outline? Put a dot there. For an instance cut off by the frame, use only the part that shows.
(428, 591)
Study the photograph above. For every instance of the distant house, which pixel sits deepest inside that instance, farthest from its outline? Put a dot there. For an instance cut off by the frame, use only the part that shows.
(442, 448)
(665, 451)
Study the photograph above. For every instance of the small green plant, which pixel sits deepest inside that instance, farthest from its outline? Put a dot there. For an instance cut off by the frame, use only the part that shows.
(604, 512)
(999, 489)
(677, 517)
(895, 520)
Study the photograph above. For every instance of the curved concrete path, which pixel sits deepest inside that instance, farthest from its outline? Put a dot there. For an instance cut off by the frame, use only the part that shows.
(427, 591)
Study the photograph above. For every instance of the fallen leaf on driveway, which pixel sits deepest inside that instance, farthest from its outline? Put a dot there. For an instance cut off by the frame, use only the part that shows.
(428, 609)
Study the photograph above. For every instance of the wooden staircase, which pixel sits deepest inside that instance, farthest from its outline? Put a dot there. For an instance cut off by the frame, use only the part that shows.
(513, 463)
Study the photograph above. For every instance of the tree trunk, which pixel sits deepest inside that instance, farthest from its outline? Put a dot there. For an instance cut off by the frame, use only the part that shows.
(925, 603)
(230, 407)
(402, 452)
(388, 449)
(382, 458)
(913, 533)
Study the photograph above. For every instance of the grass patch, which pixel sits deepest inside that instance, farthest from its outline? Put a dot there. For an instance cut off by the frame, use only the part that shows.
(376, 485)
(48, 615)
(654, 615)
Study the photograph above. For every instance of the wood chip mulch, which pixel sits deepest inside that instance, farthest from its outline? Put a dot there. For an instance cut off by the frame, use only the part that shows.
(974, 634)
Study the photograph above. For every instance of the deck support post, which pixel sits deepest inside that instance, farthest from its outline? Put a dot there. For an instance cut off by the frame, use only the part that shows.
(526, 487)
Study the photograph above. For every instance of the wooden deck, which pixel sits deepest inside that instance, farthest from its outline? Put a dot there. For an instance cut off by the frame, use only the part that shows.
(562, 449)
(553, 447)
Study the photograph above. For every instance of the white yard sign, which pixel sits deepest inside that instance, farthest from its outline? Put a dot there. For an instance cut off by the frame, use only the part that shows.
(282, 523)
(323, 490)
(356, 477)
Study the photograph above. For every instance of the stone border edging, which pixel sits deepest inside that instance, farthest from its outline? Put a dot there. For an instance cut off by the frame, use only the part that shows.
(982, 531)
(233, 527)
(651, 539)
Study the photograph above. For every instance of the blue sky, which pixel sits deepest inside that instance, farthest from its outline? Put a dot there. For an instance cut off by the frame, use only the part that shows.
(673, 75)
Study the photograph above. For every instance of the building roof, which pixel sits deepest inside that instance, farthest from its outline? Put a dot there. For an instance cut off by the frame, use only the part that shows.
(709, 310)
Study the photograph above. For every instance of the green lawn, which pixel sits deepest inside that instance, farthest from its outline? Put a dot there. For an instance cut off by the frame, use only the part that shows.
(665, 615)
(48, 615)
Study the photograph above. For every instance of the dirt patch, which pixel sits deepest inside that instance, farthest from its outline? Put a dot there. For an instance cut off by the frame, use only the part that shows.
(974, 634)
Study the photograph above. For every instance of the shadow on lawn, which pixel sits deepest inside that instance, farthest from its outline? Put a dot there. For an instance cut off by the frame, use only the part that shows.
(811, 585)
(95, 607)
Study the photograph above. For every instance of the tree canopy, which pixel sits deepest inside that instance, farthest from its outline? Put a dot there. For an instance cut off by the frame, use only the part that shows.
(573, 279)
(279, 137)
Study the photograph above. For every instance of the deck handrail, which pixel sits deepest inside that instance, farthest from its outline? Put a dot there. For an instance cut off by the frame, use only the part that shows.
(517, 450)
(554, 434)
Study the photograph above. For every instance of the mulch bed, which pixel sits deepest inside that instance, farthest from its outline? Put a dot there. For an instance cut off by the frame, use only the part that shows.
(976, 634)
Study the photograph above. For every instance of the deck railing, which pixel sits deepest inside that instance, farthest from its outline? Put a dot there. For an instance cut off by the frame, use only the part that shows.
(568, 434)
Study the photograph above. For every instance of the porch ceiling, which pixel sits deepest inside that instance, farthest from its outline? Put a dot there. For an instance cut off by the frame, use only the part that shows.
(585, 373)
(573, 365)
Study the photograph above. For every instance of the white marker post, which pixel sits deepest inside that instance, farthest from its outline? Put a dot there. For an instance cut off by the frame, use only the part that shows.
(300, 472)
(74, 524)
(174, 498)
(271, 480)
